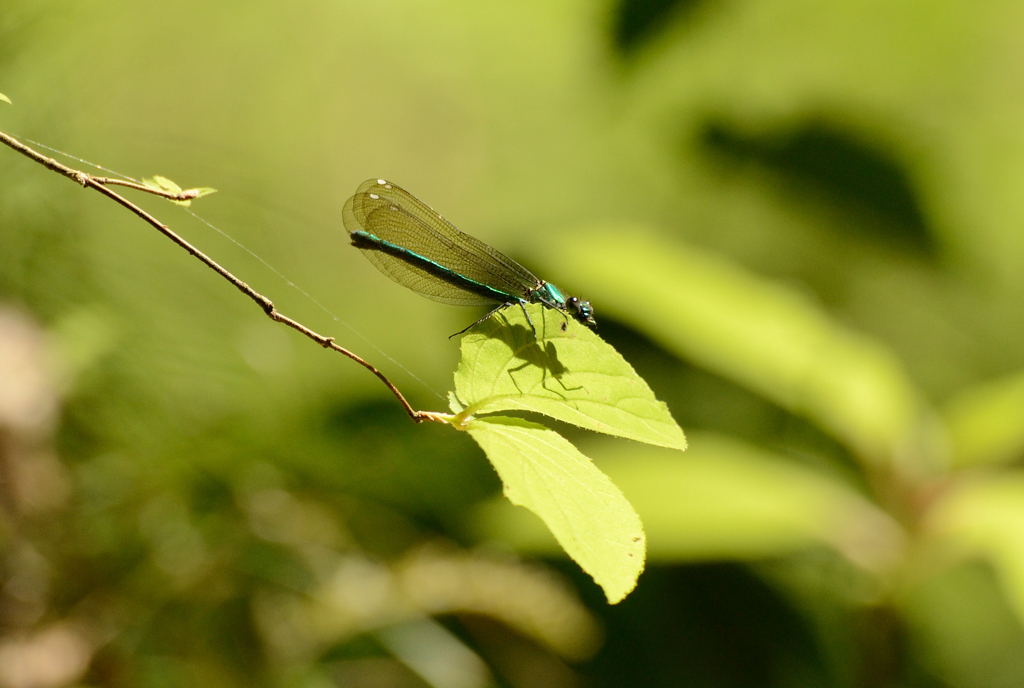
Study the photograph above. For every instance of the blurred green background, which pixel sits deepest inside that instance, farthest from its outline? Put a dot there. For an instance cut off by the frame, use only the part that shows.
(801, 222)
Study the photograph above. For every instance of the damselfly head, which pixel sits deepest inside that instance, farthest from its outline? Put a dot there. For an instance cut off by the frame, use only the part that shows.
(581, 310)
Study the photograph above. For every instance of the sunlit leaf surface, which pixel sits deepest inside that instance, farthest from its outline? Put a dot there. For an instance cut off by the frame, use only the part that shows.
(164, 184)
(585, 511)
(571, 375)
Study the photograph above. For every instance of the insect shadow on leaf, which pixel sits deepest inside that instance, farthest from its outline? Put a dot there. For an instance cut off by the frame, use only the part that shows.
(529, 350)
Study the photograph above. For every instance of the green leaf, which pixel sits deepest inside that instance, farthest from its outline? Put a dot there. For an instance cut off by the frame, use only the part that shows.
(5, 99)
(585, 511)
(570, 375)
(984, 517)
(986, 423)
(724, 500)
(158, 183)
(759, 333)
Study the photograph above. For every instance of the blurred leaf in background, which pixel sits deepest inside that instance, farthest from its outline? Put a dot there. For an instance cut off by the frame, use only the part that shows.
(798, 221)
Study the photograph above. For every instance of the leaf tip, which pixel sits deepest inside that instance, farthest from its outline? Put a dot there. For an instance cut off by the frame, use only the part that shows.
(636, 558)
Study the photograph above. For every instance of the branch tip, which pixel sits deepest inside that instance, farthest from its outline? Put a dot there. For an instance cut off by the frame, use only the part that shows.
(102, 186)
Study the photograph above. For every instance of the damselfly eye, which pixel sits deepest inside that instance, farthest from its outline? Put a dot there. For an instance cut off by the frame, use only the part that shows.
(581, 310)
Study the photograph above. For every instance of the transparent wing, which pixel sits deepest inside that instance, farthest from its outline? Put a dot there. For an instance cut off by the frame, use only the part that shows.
(388, 212)
(419, 280)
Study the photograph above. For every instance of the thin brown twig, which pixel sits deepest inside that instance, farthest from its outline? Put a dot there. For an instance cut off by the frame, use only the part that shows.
(100, 184)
